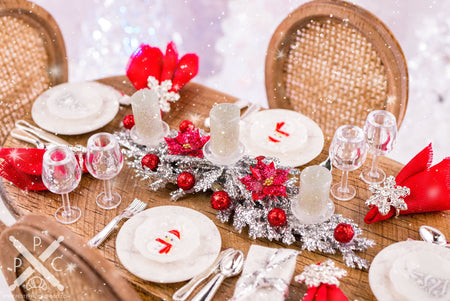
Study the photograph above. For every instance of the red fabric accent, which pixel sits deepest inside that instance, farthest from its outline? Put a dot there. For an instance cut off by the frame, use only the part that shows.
(23, 167)
(273, 139)
(144, 62)
(170, 62)
(429, 186)
(176, 233)
(186, 70)
(167, 245)
(324, 292)
(278, 129)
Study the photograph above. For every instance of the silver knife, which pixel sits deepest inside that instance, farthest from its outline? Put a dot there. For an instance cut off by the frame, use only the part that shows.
(53, 139)
(188, 288)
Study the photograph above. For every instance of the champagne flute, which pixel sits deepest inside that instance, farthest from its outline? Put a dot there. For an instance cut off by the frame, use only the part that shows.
(61, 174)
(104, 161)
(381, 132)
(348, 152)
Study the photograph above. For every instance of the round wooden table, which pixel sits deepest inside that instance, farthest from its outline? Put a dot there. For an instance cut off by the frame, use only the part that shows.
(195, 103)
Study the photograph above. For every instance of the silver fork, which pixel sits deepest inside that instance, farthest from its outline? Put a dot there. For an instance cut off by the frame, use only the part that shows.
(135, 207)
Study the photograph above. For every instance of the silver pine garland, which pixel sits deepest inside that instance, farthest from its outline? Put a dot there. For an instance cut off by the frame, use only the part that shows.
(244, 211)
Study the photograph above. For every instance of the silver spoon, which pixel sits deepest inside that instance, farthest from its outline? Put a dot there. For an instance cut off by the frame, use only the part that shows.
(231, 265)
(433, 235)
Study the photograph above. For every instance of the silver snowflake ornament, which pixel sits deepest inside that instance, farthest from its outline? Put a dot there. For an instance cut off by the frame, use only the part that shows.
(162, 90)
(326, 272)
(390, 195)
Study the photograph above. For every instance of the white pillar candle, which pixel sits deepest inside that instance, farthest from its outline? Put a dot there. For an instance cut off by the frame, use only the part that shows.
(224, 129)
(147, 115)
(313, 200)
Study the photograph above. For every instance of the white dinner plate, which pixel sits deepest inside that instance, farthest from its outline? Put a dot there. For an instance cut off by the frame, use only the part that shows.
(180, 267)
(411, 270)
(297, 141)
(76, 108)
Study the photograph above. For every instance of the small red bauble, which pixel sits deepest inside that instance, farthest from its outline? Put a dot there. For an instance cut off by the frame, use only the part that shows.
(277, 217)
(128, 122)
(186, 180)
(344, 233)
(186, 125)
(151, 161)
(220, 200)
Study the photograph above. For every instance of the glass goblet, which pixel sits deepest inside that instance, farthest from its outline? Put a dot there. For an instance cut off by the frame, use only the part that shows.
(381, 132)
(348, 152)
(61, 174)
(104, 161)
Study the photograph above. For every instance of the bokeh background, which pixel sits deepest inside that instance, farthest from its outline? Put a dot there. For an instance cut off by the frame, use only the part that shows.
(231, 37)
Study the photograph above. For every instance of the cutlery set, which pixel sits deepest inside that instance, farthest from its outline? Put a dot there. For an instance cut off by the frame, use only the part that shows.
(26, 132)
(229, 263)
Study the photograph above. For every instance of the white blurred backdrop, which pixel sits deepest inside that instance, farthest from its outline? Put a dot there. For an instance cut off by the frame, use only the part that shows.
(231, 37)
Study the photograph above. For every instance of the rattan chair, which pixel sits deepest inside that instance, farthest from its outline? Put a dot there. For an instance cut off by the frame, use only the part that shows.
(335, 62)
(58, 265)
(32, 59)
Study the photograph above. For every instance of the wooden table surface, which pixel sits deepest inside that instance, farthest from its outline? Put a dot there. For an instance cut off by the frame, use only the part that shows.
(195, 103)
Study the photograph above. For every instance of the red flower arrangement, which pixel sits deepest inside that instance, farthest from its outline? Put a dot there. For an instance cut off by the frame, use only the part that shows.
(265, 180)
(189, 143)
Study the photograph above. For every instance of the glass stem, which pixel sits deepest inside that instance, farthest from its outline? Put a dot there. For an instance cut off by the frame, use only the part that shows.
(373, 168)
(108, 192)
(344, 178)
(66, 204)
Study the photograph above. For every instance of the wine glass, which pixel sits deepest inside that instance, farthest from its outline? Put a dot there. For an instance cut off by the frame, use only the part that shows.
(104, 161)
(380, 130)
(348, 152)
(61, 174)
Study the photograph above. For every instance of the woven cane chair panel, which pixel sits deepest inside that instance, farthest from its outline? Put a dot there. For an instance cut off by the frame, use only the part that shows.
(334, 75)
(23, 70)
(335, 62)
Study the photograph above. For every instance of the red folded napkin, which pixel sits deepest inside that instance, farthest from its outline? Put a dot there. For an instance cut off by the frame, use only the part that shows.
(429, 186)
(23, 167)
(324, 292)
(322, 280)
(149, 61)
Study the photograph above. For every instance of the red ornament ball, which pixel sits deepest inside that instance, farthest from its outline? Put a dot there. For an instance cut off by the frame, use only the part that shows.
(128, 122)
(277, 217)
(344, 233)
(186, 180)
(151, 161)
(220, 200)
(186, 125)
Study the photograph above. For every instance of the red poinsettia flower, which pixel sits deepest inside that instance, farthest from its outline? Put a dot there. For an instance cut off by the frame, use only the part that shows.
(189, 143)
(149, 61)
(265, 180)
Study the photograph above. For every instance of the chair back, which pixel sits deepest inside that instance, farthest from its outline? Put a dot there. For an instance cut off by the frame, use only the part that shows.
(335, 62)
(32, 59)
(44, 260)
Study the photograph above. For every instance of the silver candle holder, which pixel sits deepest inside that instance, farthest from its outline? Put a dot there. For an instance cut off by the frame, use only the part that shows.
(149, 129)
(224, 147)
(313, 204)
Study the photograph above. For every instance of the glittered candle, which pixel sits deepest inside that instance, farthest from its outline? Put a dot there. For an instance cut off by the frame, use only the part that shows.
(315, 184)
(224, 129)
(147, 115)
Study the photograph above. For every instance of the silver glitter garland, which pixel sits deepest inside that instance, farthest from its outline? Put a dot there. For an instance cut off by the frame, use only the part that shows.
(244, 211)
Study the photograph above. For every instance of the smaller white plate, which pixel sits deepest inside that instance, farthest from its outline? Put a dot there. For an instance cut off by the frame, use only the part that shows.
(411, 270)
(180, 269)
(298, 141)
(76, 108)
